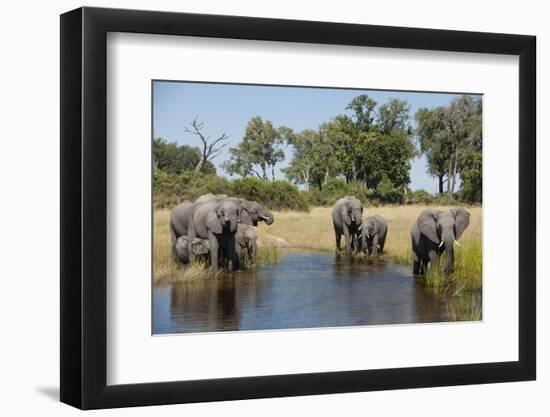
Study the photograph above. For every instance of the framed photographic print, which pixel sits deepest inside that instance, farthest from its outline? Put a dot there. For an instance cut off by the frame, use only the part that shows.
(257, 207)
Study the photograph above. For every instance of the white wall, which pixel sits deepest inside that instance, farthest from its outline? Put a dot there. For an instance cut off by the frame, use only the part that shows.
(29, 100)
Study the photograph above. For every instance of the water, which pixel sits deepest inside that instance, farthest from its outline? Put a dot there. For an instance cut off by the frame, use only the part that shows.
(303, 290)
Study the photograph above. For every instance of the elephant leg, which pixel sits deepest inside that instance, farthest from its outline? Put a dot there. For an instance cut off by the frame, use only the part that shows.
(375, 246)
(347, 241)
(338, 235)
(230, 252)
(416, 263)
(239, 255)
(214, 251)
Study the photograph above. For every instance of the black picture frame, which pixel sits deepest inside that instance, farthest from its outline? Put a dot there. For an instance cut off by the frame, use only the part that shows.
(84, 207)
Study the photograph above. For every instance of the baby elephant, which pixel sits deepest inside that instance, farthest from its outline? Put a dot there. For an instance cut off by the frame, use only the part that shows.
(184, 245)
(245, 244)
(373, 234)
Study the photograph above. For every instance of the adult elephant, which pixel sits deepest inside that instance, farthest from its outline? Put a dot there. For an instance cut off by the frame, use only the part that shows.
(251, 212)
(374, 230)
(180, 217)
(216, 221)
(435, 232)
(347, 216)
(246, 244)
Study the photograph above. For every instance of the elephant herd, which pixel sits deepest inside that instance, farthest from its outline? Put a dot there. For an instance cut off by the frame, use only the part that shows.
(216, 229)
(434, 233)
(220, 230)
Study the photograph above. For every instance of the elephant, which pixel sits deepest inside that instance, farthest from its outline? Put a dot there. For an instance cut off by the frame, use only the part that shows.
(347, 215)
(251, 212)
(216, 221)
(435, 232)
(184, 245)
(246, 244)
(374, 230)
(180, 216)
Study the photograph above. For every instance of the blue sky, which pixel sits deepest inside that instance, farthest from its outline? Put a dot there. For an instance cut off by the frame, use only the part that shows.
(227, 108)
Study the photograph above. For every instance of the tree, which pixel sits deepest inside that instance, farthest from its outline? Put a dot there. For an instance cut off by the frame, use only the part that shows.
(210, 148)
(259, 151)
(472, 167)
(317, 155)
(362, 108)
(365, 146)
(432, 144)
(393, 117)
(451, 138)
(171, 158)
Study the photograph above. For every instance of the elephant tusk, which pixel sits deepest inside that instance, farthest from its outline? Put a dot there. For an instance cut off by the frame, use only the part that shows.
(265, 217)
(441, 243)
(458, 244)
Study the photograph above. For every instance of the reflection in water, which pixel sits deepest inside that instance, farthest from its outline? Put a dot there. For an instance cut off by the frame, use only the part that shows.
(304, 290)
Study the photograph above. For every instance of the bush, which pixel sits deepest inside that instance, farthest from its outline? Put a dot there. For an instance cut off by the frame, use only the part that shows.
(419, 197)
(445, 200)
(275, 195)
(169, 189)
(336, 188)
(387, 193)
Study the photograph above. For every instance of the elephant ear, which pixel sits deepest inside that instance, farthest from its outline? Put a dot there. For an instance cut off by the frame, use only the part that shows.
(183, 240)
(213, 222)
(427, 224)
(345, 215)
(462, 220)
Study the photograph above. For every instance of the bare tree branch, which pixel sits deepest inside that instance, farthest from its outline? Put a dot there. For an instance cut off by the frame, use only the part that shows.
(209, 149)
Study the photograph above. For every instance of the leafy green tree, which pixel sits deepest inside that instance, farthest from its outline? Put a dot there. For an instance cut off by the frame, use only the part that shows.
(432, 143)
(393, 117)
(173, 158)
(361, 147)
(450, 137)
(259, 151)
(471, 171)
(363, 109)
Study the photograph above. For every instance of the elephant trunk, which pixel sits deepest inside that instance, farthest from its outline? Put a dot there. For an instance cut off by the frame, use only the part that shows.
(449, 249)
(268, 218)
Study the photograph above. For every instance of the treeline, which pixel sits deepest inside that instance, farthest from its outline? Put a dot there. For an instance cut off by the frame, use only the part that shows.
(170, 189)
(366, 152)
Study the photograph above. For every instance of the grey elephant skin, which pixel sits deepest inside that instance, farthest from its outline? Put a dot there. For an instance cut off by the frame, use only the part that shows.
(246, 244)
(250, 212)
(374, 230)
(434, 233)
(180, 217)
(184, 245)
(216, 221)
(347, 215)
